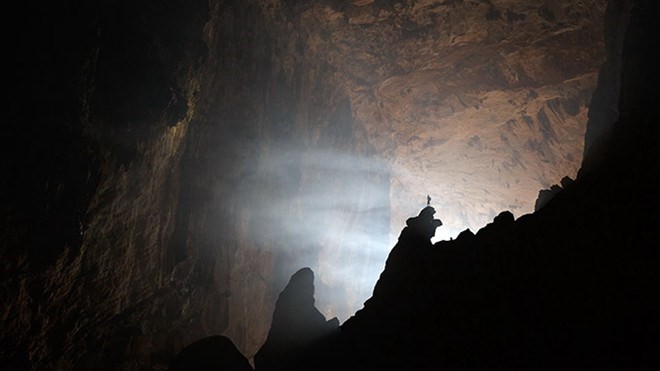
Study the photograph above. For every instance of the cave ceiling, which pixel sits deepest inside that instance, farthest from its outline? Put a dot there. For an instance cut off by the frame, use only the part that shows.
(478, 103)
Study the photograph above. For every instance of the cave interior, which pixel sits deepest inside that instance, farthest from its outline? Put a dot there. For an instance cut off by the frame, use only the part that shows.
(259, 184)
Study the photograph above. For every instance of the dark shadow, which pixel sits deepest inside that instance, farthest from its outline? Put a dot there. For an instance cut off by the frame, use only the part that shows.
(211, 353)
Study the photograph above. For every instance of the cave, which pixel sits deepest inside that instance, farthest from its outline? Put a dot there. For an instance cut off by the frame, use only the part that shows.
(172, 170)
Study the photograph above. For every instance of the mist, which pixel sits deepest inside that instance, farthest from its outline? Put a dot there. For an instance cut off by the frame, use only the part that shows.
(328, 210)
(340, 213)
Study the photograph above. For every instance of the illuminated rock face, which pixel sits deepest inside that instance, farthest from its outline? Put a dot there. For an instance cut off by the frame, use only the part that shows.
(479, 104)
(213, 149)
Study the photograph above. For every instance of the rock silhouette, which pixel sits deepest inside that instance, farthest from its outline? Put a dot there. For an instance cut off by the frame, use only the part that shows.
(214, 353)
(545, 195)
(297, 325)
(553, 290)
(424, 225)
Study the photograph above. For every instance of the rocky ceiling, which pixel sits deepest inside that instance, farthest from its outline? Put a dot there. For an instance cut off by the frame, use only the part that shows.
(478, 103)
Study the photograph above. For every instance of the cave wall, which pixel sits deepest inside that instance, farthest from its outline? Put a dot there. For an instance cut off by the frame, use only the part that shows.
(604, 110)
(168, 163)
(139, 226)
(102, 108)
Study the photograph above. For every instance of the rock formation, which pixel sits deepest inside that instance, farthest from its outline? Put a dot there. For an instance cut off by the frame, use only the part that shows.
(297, 325)
(546, 195)
(424, 224)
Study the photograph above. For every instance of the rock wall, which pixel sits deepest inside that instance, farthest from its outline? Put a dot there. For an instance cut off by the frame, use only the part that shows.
(89, 274)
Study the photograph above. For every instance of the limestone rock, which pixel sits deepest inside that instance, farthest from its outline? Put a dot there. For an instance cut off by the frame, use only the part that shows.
(297, 325)
(424, 224)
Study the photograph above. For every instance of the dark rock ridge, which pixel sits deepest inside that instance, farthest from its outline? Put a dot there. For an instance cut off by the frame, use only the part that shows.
(546, 195)
(571, 286)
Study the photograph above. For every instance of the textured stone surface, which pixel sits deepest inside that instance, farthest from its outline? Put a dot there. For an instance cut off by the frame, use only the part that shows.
(478, 103)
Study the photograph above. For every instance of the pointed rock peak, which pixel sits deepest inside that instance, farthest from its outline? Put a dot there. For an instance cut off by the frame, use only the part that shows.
(296, 326)
(301, 286)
